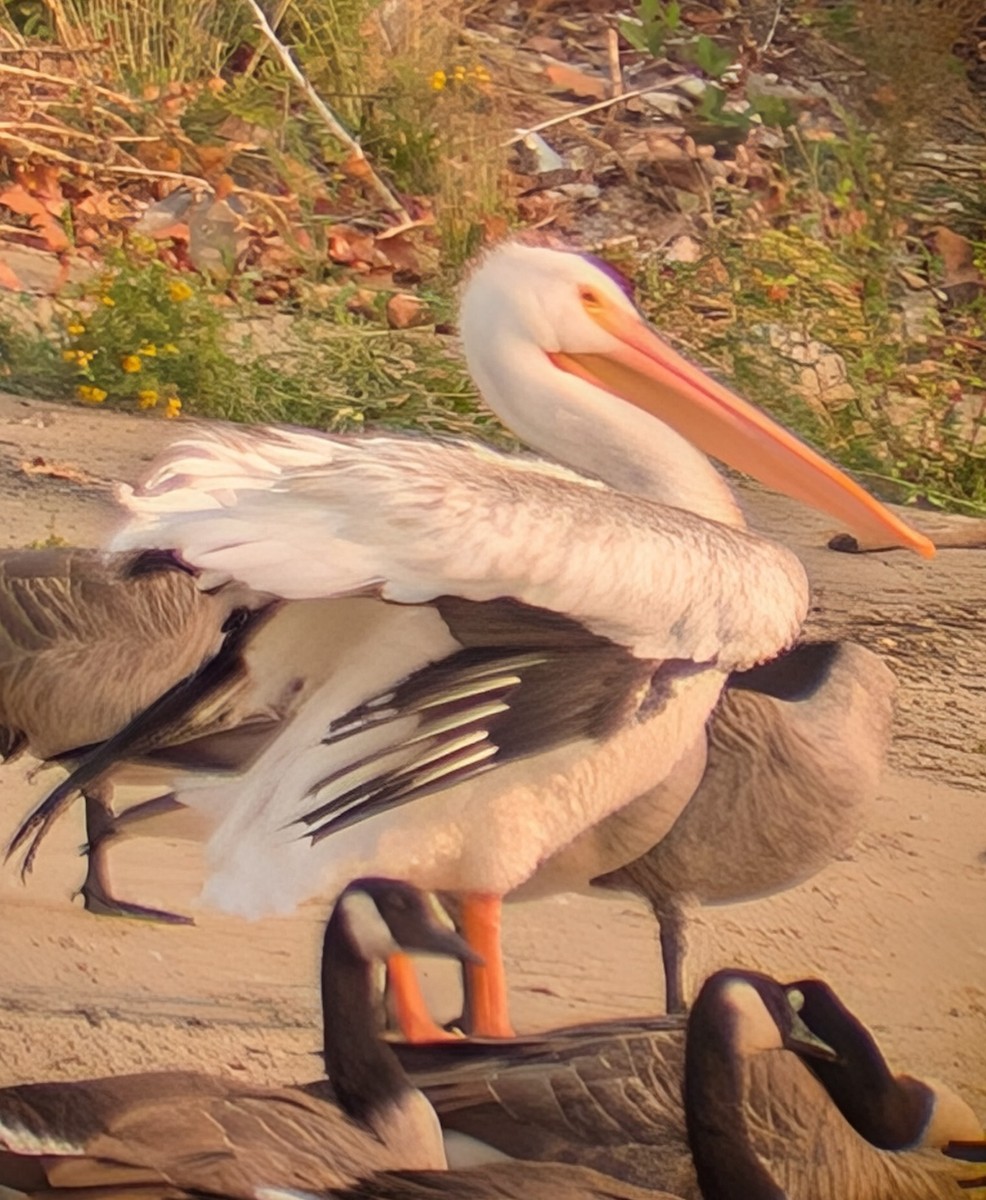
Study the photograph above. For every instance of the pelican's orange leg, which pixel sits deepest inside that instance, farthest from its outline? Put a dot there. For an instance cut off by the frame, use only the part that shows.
(416, 1022)
(489, 1011)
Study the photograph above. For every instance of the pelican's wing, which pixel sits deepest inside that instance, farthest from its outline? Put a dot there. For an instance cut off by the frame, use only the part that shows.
(305, 515)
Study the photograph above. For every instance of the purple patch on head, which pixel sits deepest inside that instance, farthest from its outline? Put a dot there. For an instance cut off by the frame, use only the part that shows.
(617, 276)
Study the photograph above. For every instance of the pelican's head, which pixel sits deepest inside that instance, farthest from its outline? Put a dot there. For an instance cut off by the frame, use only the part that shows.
(565, 322)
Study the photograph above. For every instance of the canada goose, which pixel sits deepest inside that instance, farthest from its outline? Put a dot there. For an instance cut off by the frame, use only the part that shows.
(87, 641)
(894, 1112)
(526, 649)
(795, 753)
(202, 1133)
(766, 1128)
(611, 1097)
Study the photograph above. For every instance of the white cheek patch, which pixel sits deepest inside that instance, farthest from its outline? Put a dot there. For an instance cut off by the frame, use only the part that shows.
(369, 931)
(756, 1029)
(951, 1118)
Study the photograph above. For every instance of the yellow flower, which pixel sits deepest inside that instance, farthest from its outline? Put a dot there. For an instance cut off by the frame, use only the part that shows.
(438, 81)
(459, 74)
(147, 397)
(174, 407)
(76, 328)
(130, 363)
(481, 75)
(108, 301)
(148, 351)
(169, 348)
(84, 357)
(179, 291)
(70, 355)
(89, 394)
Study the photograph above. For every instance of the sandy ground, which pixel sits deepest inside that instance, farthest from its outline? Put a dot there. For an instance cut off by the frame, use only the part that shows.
(899, 926)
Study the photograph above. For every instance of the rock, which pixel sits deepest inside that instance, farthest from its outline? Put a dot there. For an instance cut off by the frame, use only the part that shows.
(818, 373)
(968, 419)
(683, 249)
(537, 157)
(666, 103)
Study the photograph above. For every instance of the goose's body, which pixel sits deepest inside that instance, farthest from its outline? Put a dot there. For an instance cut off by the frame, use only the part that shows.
(521, 649)
(648, 1102)
(87, 641)
(794, 755)
(205, 1134)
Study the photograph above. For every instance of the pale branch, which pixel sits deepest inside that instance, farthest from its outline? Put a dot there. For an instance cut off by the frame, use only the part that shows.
(599, 105)
(331, 121)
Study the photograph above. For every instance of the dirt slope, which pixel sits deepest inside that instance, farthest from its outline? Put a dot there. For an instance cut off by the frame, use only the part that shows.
(898, 927)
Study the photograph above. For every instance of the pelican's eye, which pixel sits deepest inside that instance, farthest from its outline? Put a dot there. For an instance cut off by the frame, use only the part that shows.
(591, 301)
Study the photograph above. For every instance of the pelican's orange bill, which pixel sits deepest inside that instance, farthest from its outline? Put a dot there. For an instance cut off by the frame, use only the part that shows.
(645, 371)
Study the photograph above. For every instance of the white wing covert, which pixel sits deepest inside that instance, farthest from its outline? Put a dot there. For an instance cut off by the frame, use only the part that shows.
(304, 515)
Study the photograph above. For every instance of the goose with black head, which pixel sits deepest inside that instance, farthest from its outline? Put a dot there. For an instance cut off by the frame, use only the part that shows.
(206, 1134)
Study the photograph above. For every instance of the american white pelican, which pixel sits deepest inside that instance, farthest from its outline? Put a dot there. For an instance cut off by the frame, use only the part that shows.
(516, 648)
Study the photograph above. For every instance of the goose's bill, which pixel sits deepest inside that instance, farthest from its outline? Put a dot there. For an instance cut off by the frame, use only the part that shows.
(645, 371)
(801, 1040)
(447, 943)
(437, 934)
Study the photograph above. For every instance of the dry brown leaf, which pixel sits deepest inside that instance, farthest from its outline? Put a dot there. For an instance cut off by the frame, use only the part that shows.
(568, 79)
(51, 470)
(212, 160)
(958, 262)
(9, 278)
(42, 180)
(356, 167)
(159, 156)
(20, 201)
(541, 44)
(405, 311)
(409, 254)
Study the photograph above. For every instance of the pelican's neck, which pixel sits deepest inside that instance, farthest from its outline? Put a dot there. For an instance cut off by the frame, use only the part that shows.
(598, 434)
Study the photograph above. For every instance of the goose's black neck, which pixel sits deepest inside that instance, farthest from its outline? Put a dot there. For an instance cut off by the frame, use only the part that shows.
(364, 1071)
(889, 1111)
(715, 1095)
(797, 674)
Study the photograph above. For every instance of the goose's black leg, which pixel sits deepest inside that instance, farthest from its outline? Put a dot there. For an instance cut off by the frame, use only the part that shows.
(102, 828)
(671, 919)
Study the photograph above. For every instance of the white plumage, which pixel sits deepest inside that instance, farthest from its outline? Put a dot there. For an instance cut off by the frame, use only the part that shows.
(494, 652)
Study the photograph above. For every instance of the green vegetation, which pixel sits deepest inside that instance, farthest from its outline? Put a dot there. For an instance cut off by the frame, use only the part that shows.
(143, 336)
(823, 245)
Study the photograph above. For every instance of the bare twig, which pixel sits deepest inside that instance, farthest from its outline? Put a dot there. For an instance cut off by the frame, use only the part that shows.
(613, 56)
(591, 108)
(773, 28)
(332, 122)
(43, 151)
(45, 77)
(54, 130)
